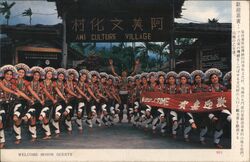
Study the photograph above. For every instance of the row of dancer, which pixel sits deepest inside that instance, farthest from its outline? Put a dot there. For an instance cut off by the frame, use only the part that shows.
(56, 95)
(181, 83)
(52, 96)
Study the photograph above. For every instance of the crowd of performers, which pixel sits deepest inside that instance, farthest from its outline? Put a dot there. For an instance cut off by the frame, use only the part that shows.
(52, 97)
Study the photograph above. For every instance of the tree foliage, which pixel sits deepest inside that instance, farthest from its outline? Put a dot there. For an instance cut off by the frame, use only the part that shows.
(5, 10)
(28, 13)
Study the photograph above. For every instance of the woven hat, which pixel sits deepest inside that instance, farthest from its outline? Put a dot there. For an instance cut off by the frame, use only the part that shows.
(39, 70)
(25, 67)
(8, 68)
(197, 73)
(73, 71)
(184, 74)
(62, 71)
(83, 71)
(227, 77)
(171, 74)
(143, 75)
(92, 73)
(112, 78)
(154, 74)
(130, 78)
(53, 70)
(161, 73)
(104, 75)
(117, 79)
(136, 77)
(211, 71)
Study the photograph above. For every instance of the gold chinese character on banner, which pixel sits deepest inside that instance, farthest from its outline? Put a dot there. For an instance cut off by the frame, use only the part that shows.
(157, 23)
(78, 25)
(137, 24)
(116, 24)
(97, 24)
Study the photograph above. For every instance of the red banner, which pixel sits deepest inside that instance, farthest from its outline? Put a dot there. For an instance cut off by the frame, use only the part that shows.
(195, 102)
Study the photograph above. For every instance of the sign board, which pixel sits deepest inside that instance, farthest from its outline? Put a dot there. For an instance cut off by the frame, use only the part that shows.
(214, 58)
(117, 28)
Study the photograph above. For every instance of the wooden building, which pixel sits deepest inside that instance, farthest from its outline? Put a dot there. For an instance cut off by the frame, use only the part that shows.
(34, 45)
(103, 20)
(212, 47)
(117, 20)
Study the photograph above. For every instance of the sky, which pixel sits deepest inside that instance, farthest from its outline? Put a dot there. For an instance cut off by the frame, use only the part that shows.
(45, 12)
(201, 11)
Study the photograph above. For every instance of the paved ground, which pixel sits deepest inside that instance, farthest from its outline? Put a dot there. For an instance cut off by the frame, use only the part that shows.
(119, 136)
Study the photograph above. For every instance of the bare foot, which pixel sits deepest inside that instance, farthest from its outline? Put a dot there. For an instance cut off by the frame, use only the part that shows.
(57, 135)
(186, 139)
(214, 119)
(46, 137)
(40, 118)
(17, 142)
(218, 146)
(174, 136)
(25, 119)
(194, 126)
(203, 142)
(15, 118)
(65, 113)
(80, 131)
(2, 145)
(33, 140)
(57, 117)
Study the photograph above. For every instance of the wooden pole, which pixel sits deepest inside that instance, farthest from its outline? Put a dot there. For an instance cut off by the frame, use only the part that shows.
(133, 55)
(64, 43)
(172, 39)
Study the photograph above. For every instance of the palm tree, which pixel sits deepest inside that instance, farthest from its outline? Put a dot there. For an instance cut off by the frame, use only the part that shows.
(143, 51)
(29, 13)
(83, 48)
(182, 43)
(5, 10)
(160, 50)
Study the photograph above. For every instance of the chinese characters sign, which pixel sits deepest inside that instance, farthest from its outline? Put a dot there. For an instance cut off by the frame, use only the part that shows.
(215, 58)
(105, 29)
(195, 102)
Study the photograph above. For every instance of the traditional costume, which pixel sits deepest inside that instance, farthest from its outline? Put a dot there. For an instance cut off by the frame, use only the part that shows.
(198, 86)
(172, 89)
(83, 105)
(220, 118)
(72, 97)
(21, 105)
(34, 111)
(188, 119)
(49, 97)
(6, 99)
